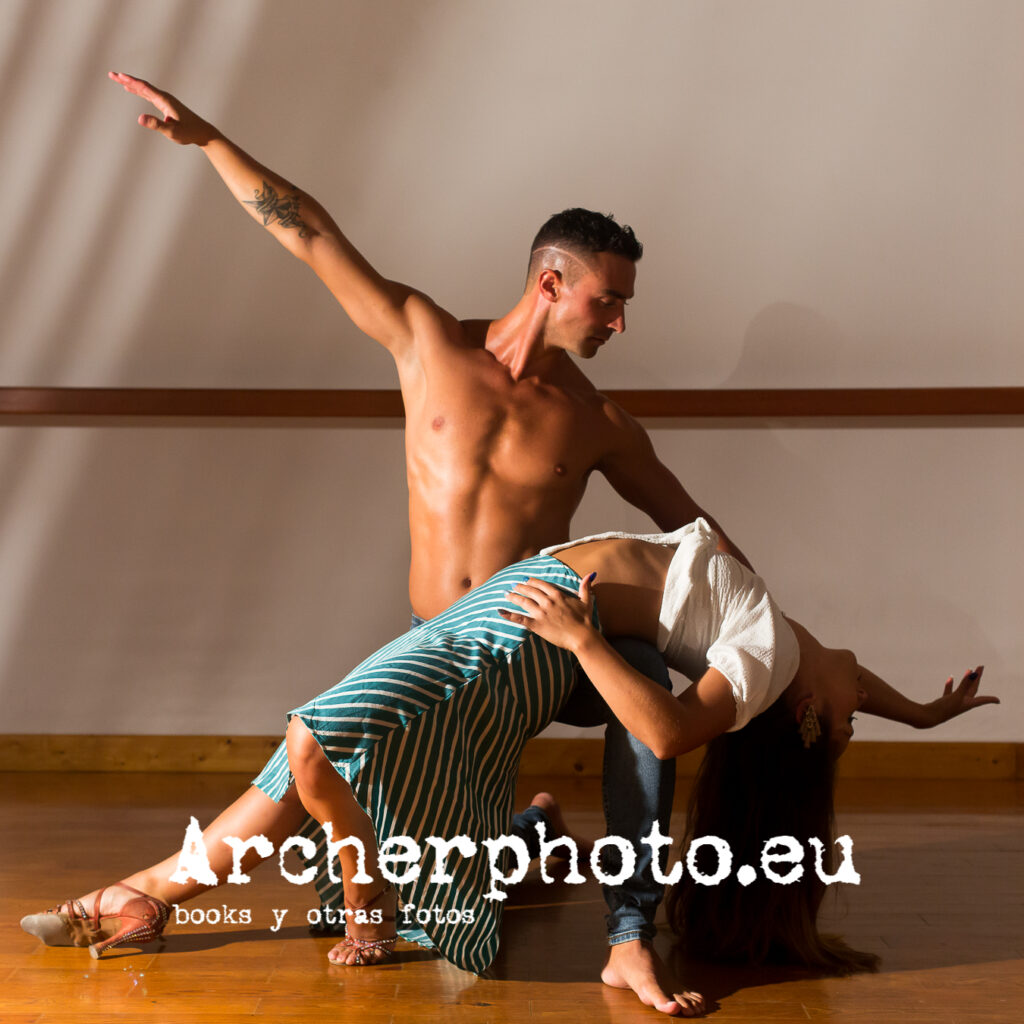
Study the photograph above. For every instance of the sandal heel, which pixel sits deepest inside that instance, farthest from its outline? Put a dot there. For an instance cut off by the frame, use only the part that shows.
(142, 919)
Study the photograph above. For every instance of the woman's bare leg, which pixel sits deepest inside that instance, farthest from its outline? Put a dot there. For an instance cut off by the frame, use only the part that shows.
(328, 797)
(253, 813)
(126, 907)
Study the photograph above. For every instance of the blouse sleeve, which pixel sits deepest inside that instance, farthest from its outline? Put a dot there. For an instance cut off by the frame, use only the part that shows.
(756, 649)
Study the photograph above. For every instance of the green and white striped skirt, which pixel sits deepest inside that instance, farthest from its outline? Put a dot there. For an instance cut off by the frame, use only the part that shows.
(428, 732)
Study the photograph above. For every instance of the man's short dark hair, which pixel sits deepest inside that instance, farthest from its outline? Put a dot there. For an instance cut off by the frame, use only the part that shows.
(584, 232)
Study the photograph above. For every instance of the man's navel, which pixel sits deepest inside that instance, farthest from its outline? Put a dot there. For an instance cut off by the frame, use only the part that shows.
(437, 423)
(467, 582)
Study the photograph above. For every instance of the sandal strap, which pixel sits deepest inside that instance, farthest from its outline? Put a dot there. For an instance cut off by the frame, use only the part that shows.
(161, 905)
(96, 908)
(354, 943)
(365, 945)
(161, 909)
(361, 946)
(371, 901)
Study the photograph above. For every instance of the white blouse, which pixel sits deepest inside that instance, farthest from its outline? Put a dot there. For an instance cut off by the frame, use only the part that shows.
(716, 613)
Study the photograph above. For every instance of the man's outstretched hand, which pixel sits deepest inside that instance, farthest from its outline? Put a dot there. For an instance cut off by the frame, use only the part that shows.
(179, 124)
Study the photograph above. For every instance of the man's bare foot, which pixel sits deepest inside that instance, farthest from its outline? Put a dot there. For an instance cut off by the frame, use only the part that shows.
(549, 805)
(636, 966)
(371, 935)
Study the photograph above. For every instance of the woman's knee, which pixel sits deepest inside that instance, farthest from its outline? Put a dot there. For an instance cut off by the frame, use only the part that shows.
(306, 759)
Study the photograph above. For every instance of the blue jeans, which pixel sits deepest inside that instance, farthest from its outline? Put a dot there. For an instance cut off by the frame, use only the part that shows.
(637, 790)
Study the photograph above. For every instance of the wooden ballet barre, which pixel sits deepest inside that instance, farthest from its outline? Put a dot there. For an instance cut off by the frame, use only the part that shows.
(274, 403)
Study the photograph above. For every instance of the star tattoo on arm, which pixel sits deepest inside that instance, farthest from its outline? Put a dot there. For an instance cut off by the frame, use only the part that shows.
(282, 209)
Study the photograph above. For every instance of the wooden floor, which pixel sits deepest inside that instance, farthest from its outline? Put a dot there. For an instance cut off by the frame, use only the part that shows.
(942, 900)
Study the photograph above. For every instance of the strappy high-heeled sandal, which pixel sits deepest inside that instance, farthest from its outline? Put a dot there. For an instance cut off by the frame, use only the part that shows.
(140, 918)
(361, 946)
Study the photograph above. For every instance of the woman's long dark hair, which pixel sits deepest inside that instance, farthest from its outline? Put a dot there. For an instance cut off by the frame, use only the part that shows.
(754, 784)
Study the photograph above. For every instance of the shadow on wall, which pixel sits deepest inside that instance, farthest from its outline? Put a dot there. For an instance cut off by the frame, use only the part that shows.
(857, 513)
(792, 346)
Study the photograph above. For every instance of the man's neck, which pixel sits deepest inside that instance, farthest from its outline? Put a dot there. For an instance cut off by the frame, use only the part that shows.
(517, 341)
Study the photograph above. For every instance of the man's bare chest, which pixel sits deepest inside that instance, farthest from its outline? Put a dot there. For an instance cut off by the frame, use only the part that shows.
(528, 433)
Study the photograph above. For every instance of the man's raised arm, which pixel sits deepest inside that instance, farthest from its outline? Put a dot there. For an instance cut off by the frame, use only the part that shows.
(380, 308)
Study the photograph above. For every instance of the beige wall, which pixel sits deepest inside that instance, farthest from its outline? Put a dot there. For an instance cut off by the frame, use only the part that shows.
(829, 195)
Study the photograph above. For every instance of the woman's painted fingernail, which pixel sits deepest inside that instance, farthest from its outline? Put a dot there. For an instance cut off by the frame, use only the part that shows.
(592, 577)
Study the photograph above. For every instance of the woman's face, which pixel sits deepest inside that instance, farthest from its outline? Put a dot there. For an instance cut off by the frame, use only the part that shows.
(838, 693)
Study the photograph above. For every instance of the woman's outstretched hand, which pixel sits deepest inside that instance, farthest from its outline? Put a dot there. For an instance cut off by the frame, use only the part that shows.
(179, 124)
(554, 614)
(957, 700)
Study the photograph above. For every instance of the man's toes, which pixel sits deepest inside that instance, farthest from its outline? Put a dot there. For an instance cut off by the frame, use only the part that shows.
(652, 994)
(670, 1006)
(692, 1004)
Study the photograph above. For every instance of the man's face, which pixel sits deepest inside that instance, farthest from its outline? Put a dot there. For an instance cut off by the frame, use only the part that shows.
(593, 308)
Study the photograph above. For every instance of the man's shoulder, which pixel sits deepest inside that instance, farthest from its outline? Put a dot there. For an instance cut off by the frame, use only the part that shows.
(610, 411)
(434, 324)
(617, 429)
(428, 320)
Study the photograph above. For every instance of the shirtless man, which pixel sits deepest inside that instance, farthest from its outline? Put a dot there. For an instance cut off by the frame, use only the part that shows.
(502, 433)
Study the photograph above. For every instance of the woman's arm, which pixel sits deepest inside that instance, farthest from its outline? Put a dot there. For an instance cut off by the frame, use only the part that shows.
(668, 725)
(885, 701)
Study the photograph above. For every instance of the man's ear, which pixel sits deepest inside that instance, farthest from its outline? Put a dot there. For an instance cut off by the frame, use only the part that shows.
(550, 284)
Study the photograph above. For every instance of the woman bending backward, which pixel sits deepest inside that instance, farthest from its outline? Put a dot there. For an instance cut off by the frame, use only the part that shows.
(774, 706)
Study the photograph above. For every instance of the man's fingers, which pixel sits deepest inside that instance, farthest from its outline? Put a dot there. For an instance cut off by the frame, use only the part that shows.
(164, 102)
(139, 86)
(156, 125)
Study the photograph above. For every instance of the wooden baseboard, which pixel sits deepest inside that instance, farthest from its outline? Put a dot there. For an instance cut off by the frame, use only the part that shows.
(90, 753)
(544, 757)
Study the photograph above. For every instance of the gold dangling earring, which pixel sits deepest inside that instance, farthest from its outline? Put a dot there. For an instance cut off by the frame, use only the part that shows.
(810, 727)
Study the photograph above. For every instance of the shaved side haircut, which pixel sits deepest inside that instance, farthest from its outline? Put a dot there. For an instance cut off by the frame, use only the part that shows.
(580, 234)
